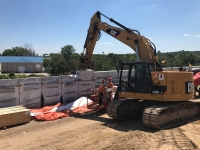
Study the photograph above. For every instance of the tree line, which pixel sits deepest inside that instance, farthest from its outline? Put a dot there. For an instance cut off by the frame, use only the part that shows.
(67, 60)
(26, 50)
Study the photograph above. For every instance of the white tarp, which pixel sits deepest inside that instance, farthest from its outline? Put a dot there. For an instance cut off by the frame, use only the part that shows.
(71, 106)
(78, 103)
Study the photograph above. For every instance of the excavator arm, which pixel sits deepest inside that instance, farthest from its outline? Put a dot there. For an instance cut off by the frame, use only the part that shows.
(143, 47)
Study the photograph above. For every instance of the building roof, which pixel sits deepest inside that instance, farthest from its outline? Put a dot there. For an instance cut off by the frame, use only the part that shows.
(18, 59)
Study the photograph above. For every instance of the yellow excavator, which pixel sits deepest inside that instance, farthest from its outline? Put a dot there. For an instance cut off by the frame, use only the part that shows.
(163, 98)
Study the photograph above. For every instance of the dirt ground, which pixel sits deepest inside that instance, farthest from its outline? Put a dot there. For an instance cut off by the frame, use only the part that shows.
(98, 131)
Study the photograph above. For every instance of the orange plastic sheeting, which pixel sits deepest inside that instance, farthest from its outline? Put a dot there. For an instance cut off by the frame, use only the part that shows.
(83, 109)
(46, 108)
(49, 116)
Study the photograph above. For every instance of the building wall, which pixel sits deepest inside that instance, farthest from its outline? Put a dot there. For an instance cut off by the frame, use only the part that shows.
(3, 67)
(29, 67)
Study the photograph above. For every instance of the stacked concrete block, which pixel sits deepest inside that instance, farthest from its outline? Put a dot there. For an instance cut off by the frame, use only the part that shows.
(114, 74)
(30, 92)
(85, 82)
(99, 76)
(9, 93)
(69, 88)
(51, 90)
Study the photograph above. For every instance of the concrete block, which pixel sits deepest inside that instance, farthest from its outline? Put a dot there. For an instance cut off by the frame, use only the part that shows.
(87, 73)
(51, 90)
(9, 93)
(69, 89)
(30, 92)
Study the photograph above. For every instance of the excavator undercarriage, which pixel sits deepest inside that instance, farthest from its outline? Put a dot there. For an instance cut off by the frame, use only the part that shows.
(158, 115)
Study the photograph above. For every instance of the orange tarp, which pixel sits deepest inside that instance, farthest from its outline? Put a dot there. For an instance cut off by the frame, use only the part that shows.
(49, 116)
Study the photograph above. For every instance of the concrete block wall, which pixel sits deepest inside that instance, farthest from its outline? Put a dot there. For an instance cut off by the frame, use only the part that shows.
(39, 92)
(105, 75)
(114, 74)
(98, 77)
(44, 91)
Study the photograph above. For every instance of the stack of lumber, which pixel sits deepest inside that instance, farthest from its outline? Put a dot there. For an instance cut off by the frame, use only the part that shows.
(10, 116)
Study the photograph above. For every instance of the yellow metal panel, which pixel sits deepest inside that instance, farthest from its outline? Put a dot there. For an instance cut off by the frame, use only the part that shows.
(176, 83)
(159, 78)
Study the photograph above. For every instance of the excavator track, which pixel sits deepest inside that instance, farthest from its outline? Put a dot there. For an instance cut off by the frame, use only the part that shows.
(169, 115)
(160, 116)
(121, 110)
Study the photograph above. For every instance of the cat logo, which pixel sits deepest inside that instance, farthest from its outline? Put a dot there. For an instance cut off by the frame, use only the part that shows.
(189, 87)
(113, 32)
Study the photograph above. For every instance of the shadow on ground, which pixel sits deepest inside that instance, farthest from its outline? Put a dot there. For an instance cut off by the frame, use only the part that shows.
(120, 125)
(129, 125)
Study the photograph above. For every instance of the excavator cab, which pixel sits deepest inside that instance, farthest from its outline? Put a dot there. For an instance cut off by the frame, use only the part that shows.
(136, 77)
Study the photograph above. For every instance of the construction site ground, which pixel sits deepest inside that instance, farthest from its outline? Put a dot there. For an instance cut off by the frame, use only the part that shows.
(98, 131)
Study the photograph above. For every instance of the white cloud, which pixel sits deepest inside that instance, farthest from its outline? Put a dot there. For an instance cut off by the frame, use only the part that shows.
(164, 41)
(150, 38)
(186, 34)
(198, 35)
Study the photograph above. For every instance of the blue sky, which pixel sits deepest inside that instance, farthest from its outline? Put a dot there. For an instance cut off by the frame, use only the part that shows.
(48, 25)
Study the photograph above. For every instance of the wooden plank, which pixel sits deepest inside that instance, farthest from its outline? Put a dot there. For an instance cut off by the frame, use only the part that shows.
(14, 116)
(9, 108)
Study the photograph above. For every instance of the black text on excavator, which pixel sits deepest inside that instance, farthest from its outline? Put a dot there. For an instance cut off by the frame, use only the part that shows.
(163, 97)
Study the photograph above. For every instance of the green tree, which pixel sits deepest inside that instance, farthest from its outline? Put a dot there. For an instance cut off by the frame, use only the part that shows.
(58, 65)
(67, 51)
(27, 50)
(15, 51)
(74, 62)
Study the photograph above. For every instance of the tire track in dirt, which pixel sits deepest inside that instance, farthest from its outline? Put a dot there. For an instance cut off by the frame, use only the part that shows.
(155, 140)
(192, 131)
(176, 139)
(128, 140)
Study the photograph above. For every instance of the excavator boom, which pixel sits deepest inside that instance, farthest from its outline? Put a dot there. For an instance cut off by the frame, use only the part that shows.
(143, 47)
